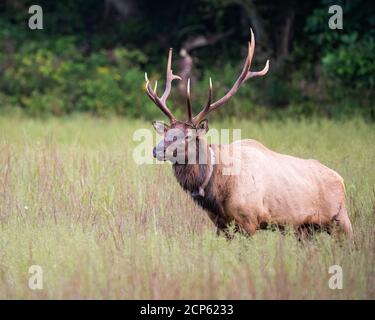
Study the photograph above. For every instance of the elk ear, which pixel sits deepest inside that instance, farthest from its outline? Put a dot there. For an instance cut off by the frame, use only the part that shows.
(160, 127)
(202, 128)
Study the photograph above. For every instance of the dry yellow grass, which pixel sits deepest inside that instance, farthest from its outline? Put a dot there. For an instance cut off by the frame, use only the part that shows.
(73, 201)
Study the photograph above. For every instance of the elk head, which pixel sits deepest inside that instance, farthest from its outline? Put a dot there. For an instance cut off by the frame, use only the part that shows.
(183, 141)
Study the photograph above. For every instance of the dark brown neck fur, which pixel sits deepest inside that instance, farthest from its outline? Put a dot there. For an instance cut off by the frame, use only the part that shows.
(190, 176)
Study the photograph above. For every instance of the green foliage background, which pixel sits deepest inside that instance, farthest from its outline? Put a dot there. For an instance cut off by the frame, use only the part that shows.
(88, 58)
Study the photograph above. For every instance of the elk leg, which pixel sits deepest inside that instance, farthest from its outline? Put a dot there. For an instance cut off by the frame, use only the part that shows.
(219, 224)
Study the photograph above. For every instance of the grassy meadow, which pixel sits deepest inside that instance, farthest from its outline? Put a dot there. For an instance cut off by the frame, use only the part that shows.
(73, 201)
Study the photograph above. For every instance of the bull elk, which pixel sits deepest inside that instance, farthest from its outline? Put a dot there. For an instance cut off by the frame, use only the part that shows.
(271, 189)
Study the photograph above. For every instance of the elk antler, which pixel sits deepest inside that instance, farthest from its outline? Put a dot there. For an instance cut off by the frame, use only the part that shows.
(161, 101)
(245, 75)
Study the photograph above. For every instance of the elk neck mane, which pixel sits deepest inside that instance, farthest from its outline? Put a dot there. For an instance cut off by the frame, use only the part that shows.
(192, 176)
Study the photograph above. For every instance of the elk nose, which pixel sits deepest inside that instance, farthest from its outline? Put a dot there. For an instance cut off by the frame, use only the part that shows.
(154, 152)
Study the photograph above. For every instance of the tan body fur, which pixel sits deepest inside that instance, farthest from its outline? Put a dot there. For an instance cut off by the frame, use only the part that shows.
(273, 188)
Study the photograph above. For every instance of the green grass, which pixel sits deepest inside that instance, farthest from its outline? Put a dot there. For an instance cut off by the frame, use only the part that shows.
(73, 201)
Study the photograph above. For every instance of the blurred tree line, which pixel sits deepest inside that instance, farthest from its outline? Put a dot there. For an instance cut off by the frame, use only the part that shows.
(92, 54)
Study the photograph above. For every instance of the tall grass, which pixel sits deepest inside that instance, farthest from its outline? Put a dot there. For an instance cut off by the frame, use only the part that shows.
(73, 201)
